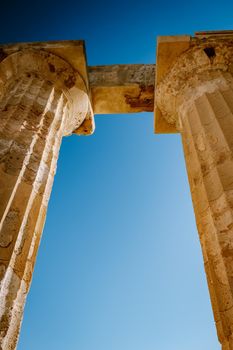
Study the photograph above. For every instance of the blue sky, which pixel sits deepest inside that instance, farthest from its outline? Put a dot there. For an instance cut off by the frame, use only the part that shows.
(120, 265)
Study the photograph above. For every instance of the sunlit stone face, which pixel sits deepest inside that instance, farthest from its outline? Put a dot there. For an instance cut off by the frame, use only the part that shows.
(42, 99)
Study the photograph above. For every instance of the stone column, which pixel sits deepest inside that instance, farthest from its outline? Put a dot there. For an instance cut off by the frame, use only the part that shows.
(40, 102)
(197, 96)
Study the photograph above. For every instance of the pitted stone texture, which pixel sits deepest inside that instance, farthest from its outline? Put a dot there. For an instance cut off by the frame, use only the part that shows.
(27, 168)
(195, 72)
(37, 108)
(207, 129)
(197, 95)
(55, 70)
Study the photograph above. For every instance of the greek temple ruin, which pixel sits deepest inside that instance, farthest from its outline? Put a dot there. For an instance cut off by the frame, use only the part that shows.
(47, 91)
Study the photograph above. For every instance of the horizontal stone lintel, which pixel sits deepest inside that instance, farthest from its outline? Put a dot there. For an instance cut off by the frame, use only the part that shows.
(122, 88)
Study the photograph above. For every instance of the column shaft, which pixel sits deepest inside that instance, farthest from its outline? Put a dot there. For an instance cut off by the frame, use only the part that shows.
(207, 129)
(32, 116)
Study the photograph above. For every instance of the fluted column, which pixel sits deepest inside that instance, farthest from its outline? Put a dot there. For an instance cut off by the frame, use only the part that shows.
(197, 95)
(207, 134)
(36, 110)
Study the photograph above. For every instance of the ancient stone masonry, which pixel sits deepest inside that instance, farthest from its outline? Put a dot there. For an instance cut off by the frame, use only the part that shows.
(46, 92)
(195, 95)
(42, 99)
(125, 88)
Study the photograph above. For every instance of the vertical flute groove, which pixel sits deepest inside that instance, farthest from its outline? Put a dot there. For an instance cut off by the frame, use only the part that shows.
(208, 146)
(39, 127)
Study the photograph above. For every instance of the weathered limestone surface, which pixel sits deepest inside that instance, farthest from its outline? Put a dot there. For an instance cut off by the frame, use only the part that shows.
(196, 96)
(44, 95)
(125, 88)
(42, 98)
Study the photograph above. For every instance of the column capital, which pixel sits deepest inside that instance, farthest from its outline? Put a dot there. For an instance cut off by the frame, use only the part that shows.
(63, 64)
(186, 68)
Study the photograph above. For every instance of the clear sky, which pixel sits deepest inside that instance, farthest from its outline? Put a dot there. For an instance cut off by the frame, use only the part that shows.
(120, 265)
